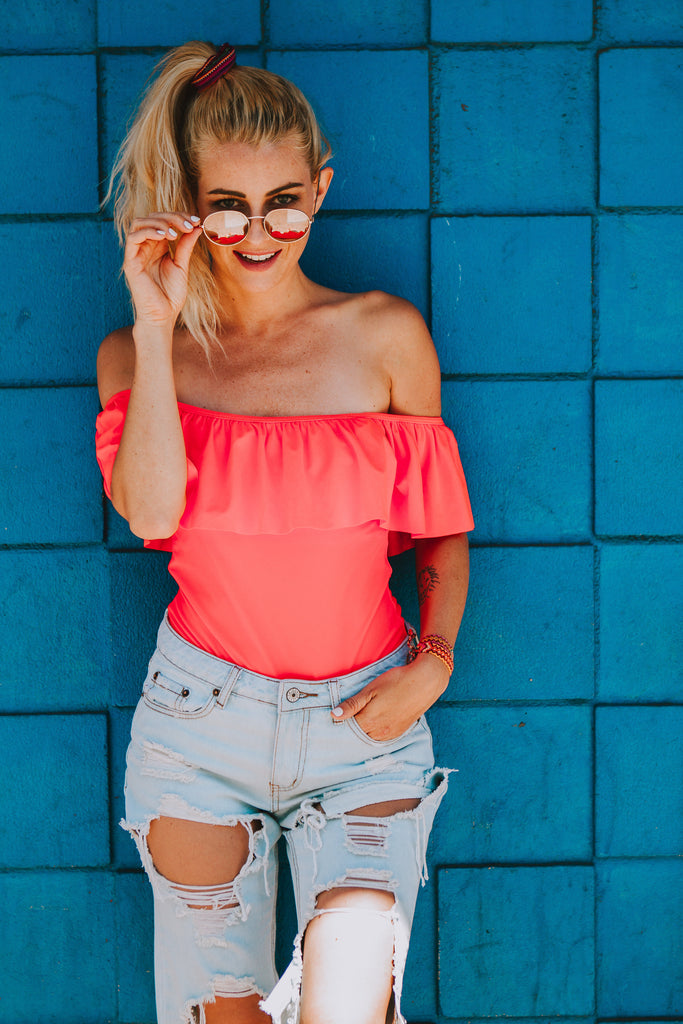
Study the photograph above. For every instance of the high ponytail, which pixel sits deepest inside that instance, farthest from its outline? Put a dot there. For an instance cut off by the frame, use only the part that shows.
(156, 167)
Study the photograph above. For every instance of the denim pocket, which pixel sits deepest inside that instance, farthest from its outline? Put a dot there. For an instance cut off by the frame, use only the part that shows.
(398, 741)
(172, 691)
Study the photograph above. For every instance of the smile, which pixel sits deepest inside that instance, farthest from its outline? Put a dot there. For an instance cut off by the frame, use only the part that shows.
(257, 257)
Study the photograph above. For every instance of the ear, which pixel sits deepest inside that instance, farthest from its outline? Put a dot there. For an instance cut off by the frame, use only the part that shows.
(324, 181)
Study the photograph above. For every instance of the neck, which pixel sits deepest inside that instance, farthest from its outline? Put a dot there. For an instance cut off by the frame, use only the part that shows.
(257, 313)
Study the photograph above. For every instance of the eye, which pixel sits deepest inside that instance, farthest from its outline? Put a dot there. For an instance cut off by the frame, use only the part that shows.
(286, 200)
(228, 203)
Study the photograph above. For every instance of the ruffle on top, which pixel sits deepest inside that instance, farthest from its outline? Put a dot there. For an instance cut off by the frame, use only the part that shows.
(271, 475)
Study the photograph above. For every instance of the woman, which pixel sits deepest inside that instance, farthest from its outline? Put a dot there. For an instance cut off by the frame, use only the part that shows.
(278, 438)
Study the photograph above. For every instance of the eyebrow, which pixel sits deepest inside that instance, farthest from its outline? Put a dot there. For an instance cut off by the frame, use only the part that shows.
(242, 195)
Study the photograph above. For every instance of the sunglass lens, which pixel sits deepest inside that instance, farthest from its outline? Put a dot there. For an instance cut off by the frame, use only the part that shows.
(226, 228)
(287, 225)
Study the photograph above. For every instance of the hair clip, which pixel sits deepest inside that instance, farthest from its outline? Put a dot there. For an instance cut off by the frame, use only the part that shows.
(214, 68)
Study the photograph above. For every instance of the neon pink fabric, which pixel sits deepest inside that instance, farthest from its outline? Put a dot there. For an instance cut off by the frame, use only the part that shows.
(281, 552)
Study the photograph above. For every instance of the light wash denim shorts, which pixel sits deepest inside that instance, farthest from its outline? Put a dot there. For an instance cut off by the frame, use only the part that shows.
(213, 742)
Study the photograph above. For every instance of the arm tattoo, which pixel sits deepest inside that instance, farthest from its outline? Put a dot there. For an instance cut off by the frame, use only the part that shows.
(427, 581)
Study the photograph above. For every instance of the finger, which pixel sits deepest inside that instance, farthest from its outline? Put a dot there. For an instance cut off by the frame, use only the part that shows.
(350, 707)
(180, 222)
(184, 248)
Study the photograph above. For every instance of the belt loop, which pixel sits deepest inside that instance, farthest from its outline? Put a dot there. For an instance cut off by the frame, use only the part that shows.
(228, 686)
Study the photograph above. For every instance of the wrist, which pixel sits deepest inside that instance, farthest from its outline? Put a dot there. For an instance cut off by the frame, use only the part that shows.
(150, 335)
(438, 647)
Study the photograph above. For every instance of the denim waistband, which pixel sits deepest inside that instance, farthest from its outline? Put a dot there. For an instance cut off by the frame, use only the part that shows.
(218, 672)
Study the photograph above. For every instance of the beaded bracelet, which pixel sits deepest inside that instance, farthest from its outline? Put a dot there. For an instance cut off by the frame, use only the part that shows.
(439, 647)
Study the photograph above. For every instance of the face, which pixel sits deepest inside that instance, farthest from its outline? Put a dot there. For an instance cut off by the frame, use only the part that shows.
(256, 180)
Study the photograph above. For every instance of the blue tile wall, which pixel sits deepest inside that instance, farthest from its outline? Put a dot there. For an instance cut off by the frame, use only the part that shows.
(639, 921)
(60, 958)
(640, 289)
(492, 108)
(641, 622)
(55, 611)
(496, 21)
(514, 171)
(641, 127)
(639, 781)
(512, 294)
(43, 102)
(641, 21)
(638, 457)
(518, 937)
(58, 765)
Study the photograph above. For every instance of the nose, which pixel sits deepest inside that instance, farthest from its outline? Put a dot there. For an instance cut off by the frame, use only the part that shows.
(256, 229)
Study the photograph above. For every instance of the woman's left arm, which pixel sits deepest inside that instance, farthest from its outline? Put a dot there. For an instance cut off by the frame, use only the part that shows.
(389, 705)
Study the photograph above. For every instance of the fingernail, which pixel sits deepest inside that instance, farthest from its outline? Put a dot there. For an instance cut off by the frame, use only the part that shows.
(337, 712)
(162, 233)
(195, 220)
(172, 233)
(187, 225)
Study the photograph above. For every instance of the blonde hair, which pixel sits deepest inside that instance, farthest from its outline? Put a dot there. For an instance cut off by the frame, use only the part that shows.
(156, 166)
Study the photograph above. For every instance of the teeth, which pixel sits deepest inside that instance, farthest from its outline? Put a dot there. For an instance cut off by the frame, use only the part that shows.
(257, 259)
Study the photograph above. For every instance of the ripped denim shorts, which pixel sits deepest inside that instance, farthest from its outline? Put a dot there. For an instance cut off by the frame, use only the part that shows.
(213, 742)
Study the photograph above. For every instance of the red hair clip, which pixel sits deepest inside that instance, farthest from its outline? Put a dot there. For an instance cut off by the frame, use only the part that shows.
(215, 67)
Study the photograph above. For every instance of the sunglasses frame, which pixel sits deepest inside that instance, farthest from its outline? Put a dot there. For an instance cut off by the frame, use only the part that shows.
(230, 245)
(248, 220)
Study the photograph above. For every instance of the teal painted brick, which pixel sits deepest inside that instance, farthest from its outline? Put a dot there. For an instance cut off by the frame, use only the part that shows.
(640, 21)
(44, 25)
(48, 474)
(383, 22)
(639, 938)
(339, 255)
(641, 622)
(170, 22)
(526, 452)
(58, 953)
(639, 782)
(523, 791)
(640, 289)
(124, 850)
(493, 108)
(512, 294)
(56, 810)
(48, 161)
(141, 589)
(638, 457)
(374, 107)
(516, 942)
(135, 945)
(54, 611)
(419, 999)
(123, 78)
(641, 127)
(528, 628)
(58, 957)
(497, 21)
(117, 308)
(50, 331)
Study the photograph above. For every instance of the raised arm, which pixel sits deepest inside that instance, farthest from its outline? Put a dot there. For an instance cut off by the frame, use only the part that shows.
(150, 470)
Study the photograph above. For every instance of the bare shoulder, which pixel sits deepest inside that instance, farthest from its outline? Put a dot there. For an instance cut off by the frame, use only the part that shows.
(404, 345)
(115, 363)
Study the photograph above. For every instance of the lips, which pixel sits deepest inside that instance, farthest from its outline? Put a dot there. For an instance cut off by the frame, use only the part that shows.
(257, 260)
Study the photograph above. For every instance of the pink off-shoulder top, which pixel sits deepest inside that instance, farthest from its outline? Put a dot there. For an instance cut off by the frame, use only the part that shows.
(281, 553)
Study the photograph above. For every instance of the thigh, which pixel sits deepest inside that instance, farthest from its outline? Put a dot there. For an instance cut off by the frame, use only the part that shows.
(197, 853)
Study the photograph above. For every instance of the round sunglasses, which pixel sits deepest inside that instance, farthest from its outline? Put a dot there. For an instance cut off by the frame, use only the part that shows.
(230, 227)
